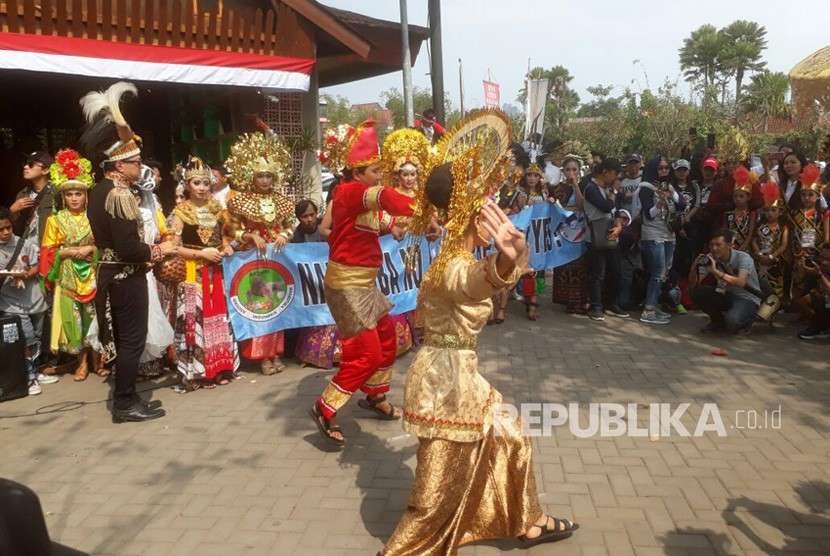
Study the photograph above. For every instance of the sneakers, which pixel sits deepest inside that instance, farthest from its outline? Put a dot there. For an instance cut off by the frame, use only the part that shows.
(654, 317)
(596, 314)
(34, 387)
(47, 379)
(680, 309)
(812, 333)
(618, 311)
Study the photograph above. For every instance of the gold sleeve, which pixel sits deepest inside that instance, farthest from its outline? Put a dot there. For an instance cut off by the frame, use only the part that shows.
(468, 280)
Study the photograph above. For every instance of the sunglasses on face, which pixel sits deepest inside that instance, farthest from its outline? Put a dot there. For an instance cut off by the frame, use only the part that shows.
(33, 163)
(681, 169)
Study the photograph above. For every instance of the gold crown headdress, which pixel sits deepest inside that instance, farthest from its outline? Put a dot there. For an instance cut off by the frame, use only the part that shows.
(258, 153)
(70, 171)
(534, 169)
(405, 146)
(478, 149)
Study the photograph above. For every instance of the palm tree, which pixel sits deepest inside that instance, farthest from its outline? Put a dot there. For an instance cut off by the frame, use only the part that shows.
(767, 96)
(699, 55)
(742, 45)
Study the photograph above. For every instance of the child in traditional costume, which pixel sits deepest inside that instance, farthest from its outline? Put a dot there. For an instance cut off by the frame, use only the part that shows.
(535, 196)
(474, 478)
(741, 220)
(359, 308)
(67, 260)
(771, 243)
(260, 215)
(807, 238)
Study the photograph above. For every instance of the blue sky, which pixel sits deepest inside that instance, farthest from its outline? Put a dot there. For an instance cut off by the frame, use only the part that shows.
(597, 40)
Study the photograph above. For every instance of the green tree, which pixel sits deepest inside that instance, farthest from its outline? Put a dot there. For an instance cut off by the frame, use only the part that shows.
(767, 95)
(422, 100)
(742, 44)
(338, 110)
(602, 105)
(699, 55)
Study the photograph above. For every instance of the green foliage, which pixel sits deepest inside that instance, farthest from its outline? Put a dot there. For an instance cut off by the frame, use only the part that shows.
(338, 110)
(766, 96)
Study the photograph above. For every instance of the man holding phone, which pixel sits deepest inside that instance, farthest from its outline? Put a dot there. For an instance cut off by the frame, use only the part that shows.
(732, 302)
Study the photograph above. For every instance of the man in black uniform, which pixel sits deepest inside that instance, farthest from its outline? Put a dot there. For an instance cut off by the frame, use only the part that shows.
(122, 302)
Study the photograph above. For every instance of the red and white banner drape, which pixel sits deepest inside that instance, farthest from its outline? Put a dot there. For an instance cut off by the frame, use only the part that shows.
(141, 62)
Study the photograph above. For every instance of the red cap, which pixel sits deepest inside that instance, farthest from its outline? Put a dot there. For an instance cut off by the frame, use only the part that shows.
(712, 163)
(363, 146)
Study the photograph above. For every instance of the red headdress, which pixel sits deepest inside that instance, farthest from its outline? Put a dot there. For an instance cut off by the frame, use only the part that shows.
(809, 178)
(363, 146)
(771, 194)
(743, 179)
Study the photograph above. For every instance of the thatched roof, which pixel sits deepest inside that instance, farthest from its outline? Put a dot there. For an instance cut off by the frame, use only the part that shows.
(816, 66)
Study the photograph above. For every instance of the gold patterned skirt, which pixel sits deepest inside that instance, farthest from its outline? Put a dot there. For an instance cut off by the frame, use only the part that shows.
(356, 309)
(468, 491)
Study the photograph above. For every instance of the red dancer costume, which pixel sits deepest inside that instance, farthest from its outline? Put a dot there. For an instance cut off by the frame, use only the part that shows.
(359, 308)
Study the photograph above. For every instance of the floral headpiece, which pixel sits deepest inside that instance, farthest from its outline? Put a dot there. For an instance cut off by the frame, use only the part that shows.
(258, 153)
(70, 171)
(336, 147)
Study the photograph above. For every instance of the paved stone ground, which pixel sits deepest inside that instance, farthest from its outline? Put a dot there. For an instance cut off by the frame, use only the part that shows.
(240, 470)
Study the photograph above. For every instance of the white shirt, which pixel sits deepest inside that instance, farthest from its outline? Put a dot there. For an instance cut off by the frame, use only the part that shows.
(221, 196)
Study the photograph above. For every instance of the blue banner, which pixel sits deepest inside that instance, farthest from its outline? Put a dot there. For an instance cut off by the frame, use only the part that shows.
(554, 235)
(284, 289)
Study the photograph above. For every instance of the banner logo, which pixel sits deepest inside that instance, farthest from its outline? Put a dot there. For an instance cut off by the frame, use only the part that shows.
(261, 290)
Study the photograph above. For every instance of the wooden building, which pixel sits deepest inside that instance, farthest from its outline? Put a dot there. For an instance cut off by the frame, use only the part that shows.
(206, 69)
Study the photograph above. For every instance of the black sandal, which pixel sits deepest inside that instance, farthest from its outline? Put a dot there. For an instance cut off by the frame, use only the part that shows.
(325, 427)
(372, 405)
(551, 535)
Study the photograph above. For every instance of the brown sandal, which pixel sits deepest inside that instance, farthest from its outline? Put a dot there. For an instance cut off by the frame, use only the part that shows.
(325, 427)
(372, 405)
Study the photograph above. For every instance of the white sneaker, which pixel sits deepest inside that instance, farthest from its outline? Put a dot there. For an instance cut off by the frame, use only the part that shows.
(47, 379)
(34, 388)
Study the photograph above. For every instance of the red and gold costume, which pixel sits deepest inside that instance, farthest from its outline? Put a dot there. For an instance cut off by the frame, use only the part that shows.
(269, 214)
(360, 310)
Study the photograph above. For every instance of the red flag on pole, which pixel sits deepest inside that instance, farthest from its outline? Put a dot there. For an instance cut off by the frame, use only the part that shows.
(491, 94)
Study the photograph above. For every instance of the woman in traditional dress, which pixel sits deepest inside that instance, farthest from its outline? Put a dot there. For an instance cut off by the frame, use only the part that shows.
(403, 159)
(474, 478)
(260, 215)
(206, 352)
(570, 281)
(535, 187)
(67, 261)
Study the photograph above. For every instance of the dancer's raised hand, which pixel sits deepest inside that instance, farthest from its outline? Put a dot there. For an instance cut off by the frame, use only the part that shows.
(509, 241)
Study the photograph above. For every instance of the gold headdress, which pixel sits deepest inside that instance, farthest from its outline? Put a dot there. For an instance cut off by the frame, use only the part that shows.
(478, 148)
(70, 171)
(257, 153)
(196, 168)
(534, 169)
(405, 146)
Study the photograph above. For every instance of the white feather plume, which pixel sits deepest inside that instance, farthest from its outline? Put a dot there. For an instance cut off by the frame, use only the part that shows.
(96, 102)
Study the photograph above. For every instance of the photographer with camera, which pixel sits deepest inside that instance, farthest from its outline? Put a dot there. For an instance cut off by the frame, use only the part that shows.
(819, 327)
(724, 285)
(662, 208)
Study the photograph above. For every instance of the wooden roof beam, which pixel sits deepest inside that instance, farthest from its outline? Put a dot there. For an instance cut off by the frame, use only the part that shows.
(325, 21)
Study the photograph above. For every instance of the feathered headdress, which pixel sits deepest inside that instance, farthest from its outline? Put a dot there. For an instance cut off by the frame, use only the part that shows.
(107, 130)
(534, 169)
(70, 171)
(402, 147)
(809, 178)
(743, 179)
(772, 194)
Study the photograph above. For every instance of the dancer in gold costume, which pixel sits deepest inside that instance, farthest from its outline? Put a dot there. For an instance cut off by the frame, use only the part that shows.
(474, 478)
